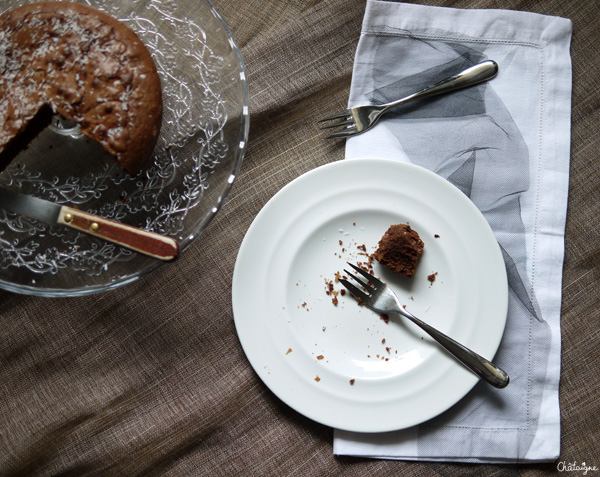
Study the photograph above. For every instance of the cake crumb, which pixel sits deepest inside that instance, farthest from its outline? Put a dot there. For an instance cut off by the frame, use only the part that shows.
(400, 249)
(289, 351)
(317, 379)
(431, 277)
(352, 381)
(320, 357)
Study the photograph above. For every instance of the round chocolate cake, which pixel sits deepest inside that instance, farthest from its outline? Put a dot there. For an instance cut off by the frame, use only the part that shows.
(73, 60)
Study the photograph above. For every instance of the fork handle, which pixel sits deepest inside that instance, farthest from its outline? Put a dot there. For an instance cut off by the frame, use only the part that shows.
(469, 77)
(478, 364)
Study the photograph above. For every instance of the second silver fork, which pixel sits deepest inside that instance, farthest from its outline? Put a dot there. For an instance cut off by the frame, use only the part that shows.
(380, 298)
(360, 118)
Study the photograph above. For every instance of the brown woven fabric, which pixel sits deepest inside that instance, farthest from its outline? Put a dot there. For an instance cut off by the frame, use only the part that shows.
(150, 379)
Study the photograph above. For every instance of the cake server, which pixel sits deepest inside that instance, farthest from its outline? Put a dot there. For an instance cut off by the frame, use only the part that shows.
(148, 243)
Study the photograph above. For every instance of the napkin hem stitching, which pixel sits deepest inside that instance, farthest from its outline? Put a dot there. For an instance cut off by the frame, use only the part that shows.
(477, 428)
(454, 38)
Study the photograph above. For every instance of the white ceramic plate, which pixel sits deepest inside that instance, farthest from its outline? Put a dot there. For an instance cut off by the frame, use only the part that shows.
(343, 365)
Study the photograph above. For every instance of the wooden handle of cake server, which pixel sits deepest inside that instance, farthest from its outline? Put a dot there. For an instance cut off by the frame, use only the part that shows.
(148, 243)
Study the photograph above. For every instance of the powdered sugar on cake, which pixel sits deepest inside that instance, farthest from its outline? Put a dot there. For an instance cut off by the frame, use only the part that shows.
(83, 65)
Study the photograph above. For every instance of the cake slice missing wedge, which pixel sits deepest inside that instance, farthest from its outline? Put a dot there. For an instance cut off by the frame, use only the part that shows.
(78, 62)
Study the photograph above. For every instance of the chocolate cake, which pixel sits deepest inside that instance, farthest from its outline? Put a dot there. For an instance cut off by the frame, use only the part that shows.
(74, 60)
(400, 249)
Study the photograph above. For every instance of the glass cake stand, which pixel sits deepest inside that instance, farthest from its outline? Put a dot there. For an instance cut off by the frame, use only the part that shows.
(179, 190)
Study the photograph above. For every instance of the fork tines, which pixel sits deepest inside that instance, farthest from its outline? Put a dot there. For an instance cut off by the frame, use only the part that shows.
(369, 287)
(375, 281)
(357, 292)
(341, 115)
(347, 123)
(358, 280)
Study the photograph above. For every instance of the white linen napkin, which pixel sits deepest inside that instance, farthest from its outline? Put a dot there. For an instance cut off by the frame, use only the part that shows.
(506, 144)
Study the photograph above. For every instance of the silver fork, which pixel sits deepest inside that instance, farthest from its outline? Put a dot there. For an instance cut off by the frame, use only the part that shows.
(360, 118)
(380, 298)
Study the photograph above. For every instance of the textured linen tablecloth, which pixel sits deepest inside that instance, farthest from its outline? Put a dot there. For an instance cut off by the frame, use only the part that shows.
(150, 379)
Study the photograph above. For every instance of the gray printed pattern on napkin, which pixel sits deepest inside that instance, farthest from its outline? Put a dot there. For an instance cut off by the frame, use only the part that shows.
(470, 138)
